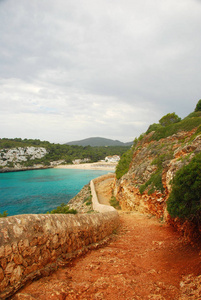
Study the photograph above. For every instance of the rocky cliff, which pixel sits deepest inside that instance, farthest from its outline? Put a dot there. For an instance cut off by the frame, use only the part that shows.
(18, 155)
(148, 183)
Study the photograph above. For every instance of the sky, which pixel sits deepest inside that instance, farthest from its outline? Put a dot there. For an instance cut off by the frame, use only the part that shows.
(74, 69)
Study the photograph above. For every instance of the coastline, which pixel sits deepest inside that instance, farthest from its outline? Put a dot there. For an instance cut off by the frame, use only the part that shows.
(7, 170)
(90, 166)
(85, 166)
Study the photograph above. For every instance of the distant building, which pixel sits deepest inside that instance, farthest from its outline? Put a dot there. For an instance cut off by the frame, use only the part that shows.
(80, 161)
(112, 159)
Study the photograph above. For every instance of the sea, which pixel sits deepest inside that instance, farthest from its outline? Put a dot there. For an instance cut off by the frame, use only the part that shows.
(39, 191)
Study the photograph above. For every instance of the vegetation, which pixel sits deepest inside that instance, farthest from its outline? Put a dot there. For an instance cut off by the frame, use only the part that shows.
(153, 127)
(4, 214)
(88, 200)
(114, 203)
(171, 124)
(154, 183)
(62, 152)
(169, 119)
(98, 142)
(123, 165)
(187, 124)
(198, 106)
(168, 125)
(63, 209)
(185, 198)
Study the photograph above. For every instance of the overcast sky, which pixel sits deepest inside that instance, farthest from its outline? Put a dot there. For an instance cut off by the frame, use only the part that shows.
(73, 69)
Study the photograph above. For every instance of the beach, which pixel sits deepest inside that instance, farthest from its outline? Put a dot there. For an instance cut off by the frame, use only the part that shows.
(90, 166)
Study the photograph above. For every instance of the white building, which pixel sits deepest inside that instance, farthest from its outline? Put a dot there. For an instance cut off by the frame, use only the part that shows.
(112, 159)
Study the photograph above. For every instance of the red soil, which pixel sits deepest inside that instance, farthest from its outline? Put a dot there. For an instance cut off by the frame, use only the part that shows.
(145, 260)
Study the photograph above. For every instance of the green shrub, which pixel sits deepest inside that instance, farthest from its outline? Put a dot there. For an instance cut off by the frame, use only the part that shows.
(63, 209)
(186, 124)
(153, 127)
(4, 214)
(169, 119)
(88, 200)
(124, 163)
(161, 158)
(113, 202)
(185, 198)
(198, 106)
(198, 131)
(154, 183)
(193, 115)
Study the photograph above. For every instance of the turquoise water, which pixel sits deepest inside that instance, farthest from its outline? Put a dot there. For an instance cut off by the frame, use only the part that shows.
(39, 191)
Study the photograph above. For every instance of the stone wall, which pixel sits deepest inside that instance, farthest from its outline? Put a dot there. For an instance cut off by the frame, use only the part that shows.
(32, 246)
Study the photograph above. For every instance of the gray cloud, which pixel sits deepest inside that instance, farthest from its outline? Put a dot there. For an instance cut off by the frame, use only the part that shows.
(74, 69)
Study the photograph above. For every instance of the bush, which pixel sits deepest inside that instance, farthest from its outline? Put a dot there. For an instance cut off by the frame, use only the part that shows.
(198, 106)
(194, 114)
(113, 202)
(4, 214)
(186, 124)
(63, 209)
(169, 119)
(185, 198)
(153, 127)
(88, 200)
(154, 183)
(124, 163)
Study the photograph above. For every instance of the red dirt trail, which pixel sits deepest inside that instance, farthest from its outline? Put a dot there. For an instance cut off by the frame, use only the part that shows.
(144, 260)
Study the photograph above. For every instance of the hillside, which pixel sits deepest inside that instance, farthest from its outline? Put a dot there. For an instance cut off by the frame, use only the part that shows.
(18, 154)
(99, 142)
(147, 173)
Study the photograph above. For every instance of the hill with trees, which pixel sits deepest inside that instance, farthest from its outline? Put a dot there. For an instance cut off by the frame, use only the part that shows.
(99, 142)
(55, 153)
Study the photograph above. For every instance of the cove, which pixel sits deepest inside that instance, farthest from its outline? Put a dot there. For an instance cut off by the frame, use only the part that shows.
(39, 191)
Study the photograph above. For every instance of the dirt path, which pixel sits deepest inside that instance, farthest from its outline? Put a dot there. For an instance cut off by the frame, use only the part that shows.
(145, 260)
(104, 188)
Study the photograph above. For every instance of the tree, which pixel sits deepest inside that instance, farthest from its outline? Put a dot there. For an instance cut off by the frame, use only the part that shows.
(4, 215)
(198, 106)
(169, 119)
(185, 198)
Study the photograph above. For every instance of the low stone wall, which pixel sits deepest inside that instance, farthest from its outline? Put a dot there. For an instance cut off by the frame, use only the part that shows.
(32, 246)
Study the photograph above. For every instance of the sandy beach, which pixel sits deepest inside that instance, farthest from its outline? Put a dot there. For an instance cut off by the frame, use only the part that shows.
(90, 166)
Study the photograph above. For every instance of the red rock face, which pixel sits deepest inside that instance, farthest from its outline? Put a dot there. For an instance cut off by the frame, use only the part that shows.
(174, 151)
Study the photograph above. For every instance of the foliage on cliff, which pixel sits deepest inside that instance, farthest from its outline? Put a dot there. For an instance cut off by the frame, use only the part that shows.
(185, 198)
(168, 125)
(169, 119)
(123, 165)
(198, 106)
(147, 171)
(63, 209)
(187, 124)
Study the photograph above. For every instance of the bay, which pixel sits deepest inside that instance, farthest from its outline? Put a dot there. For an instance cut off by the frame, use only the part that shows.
(39, 191)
